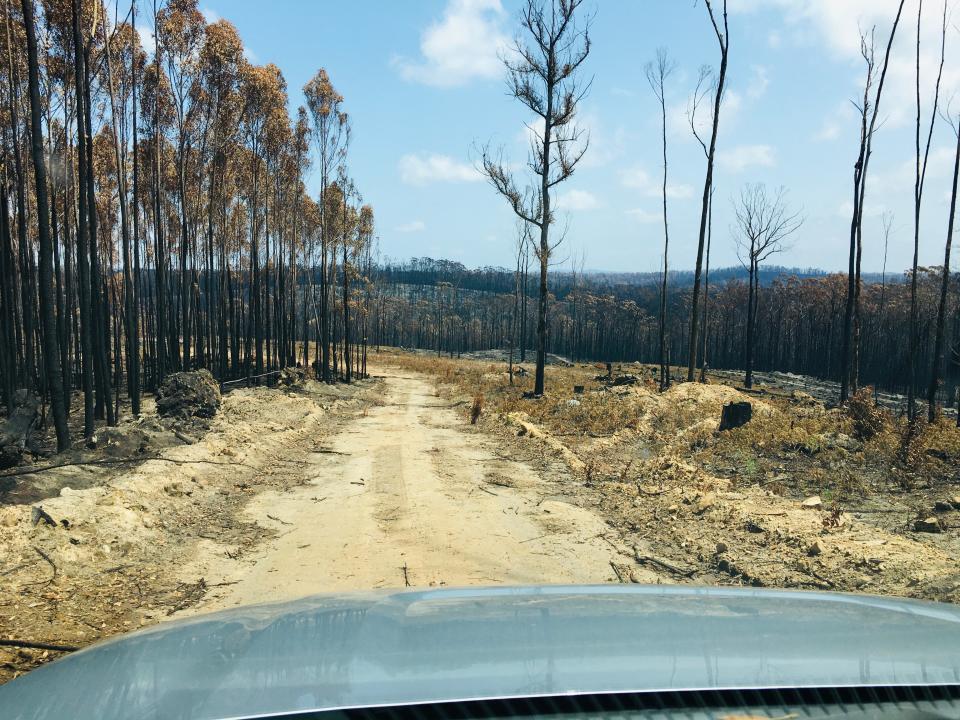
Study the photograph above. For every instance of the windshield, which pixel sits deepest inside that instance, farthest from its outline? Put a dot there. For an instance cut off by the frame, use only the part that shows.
(319, 298)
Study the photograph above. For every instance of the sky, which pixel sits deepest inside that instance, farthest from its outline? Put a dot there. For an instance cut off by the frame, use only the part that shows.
(425, 89)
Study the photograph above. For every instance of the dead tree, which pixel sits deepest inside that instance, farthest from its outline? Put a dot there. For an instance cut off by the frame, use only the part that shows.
(723, 40)
(543, 75)
(48, 321)
(523, 238)
(944, 284)
(764, 225)
(869, 109)
(657, 74)
(83, 259)
(919, 178)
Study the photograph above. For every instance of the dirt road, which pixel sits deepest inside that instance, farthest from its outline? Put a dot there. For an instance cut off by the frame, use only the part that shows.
(406, 495)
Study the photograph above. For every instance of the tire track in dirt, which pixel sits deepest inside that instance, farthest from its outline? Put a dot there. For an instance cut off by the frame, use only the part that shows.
(407, 496)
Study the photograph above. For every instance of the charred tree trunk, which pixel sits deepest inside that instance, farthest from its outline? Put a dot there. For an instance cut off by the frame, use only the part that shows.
(944, 286)
(723, 38)
(48, 321)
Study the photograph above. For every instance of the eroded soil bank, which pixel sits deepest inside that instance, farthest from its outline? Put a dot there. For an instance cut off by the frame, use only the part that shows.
(124, 534)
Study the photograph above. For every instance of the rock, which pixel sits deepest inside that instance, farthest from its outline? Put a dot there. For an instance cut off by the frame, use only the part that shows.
(721, 548)
(942, 506)
(626, 380)
(735, 415)
(572, 403)
(704, 503)
(929, 525)
(38, 515)
(188, 394)
(815, 548)
(812, 503)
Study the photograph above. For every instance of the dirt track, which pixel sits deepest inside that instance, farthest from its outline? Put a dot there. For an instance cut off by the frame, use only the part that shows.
(404, 495)
(385, 483)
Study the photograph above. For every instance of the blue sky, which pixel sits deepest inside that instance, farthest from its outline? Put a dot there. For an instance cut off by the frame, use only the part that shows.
(423, 86)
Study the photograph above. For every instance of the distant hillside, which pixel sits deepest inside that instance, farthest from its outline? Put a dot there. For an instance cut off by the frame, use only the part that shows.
(428, 271)
(684, 277)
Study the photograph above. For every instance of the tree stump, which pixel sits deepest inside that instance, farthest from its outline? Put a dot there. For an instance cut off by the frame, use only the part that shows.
(16, 428)
(735, 414)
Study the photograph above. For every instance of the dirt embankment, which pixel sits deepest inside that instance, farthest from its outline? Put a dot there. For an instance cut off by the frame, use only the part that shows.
(108, 550)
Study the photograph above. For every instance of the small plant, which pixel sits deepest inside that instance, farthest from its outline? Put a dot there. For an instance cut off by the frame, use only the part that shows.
(869, 419)
(476, 409)
(588, 471)
(909, 453)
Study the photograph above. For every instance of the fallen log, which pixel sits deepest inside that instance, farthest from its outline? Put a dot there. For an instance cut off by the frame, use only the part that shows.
(117, 461)
(29, 644)
(662, 564)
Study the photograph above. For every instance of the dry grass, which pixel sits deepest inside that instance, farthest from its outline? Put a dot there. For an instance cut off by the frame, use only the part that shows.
(869, 420)
(793, 446)
(657, 466)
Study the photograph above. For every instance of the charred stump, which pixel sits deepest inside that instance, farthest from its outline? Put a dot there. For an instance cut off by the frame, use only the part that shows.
(17, 427)
(735, 415)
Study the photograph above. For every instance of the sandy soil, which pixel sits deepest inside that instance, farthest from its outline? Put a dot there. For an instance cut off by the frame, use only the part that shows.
(121, 535)
(405, 495)
(387, 484)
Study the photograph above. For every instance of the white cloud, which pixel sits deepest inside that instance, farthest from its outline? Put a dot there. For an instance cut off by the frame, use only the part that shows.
(639, 179)
(730, 106)
(829, 131)
(843, 116)
(900, 177)
(577, 200)
(417, 170)
(462, 46)
(411, 227)
(147, 40)
(741, 157)
(645, 217)
(532, 131)
(774, 40)
(759, 80)
(838, 24)
(604, 146)
(250, 56)
(870, 210)
(210, 15)
(678, 121)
